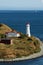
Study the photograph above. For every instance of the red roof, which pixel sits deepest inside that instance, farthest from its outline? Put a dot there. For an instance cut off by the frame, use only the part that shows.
(12, 32)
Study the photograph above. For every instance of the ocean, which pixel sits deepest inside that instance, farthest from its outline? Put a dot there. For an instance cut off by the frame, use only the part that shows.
(17, 20)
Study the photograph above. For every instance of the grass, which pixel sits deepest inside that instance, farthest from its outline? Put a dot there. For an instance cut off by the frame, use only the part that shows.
(4, 28)
(20, 47)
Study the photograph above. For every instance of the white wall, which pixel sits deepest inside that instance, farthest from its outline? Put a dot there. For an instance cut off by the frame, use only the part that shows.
(12, 35)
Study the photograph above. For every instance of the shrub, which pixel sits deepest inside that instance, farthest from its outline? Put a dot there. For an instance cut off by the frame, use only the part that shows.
(36, 43)
(29, 39)
(37, 50)
(18, 55)
(0, 25)
(23, 36)
(2, 36)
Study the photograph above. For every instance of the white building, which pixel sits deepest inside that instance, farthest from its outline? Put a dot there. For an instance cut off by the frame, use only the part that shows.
(13, 34)
(28, 29)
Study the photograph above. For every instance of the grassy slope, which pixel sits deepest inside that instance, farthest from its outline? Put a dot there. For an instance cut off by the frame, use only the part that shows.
(22, 46)
(4, 28)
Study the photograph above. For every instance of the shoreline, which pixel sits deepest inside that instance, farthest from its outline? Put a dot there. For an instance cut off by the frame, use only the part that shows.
(32, 56)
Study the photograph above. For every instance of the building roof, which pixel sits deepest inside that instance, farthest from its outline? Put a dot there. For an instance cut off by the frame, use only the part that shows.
(13, 31)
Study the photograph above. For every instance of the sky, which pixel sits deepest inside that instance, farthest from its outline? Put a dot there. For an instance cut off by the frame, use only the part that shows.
(21, 4)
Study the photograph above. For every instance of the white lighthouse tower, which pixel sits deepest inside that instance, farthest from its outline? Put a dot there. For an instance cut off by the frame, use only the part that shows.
(28, 30)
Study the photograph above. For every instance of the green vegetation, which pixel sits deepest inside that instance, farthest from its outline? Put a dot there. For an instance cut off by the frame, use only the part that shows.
(20, 47)
(22, 36)
(2, 36)
(0, 25)
(4, 28)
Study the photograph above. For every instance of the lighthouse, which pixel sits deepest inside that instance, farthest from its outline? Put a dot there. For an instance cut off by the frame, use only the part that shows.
(28, 30)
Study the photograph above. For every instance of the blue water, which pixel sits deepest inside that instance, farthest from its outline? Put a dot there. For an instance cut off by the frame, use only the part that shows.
(17, 20)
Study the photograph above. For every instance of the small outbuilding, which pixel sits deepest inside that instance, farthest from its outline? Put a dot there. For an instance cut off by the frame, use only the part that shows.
(5, 40)
(12, 34)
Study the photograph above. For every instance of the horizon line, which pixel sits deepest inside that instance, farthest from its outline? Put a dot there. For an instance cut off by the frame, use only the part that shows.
(22, 10)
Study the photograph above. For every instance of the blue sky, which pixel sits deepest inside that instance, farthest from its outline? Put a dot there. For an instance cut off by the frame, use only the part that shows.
(21, 4)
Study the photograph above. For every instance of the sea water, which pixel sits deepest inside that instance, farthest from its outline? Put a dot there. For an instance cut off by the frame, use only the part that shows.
(17, 20)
